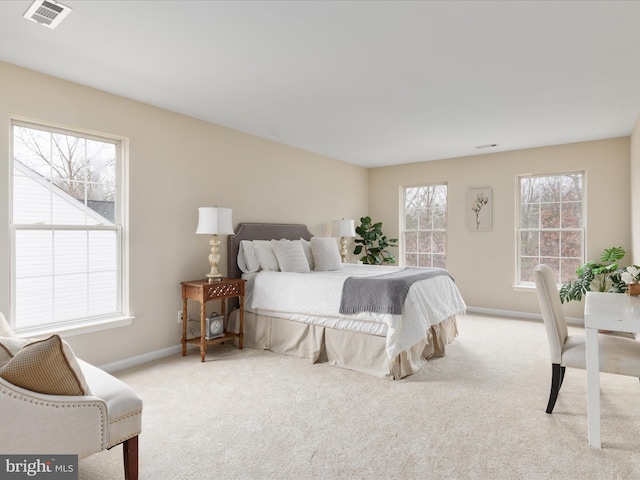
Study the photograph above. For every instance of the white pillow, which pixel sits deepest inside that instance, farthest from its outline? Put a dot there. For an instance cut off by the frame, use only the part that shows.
(290, 255)
(266, 258)
(306, 246)
(5, 328)
(242, 265)
(247, 259)
(326, 255)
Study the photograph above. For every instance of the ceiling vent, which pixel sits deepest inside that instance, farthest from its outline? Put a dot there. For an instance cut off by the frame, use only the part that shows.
(47, 12)
(488, 145)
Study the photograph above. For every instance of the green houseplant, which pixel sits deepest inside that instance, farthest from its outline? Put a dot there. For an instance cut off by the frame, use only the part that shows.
(373, 243)
(602, 276)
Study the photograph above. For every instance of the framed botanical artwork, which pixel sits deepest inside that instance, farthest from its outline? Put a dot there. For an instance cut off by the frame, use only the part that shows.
(479, 210)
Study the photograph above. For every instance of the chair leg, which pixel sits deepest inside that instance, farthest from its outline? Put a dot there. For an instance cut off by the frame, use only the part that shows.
(130, 453)
(557, 376)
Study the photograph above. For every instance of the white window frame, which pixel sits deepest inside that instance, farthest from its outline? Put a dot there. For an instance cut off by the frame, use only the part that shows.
(404, 230)
(529, 285)
(122, 316)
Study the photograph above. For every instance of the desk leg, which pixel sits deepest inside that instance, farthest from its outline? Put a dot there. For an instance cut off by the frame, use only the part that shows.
(593, 386)
(203, 329)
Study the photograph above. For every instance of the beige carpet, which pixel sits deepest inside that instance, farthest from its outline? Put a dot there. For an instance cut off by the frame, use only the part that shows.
(478, 413)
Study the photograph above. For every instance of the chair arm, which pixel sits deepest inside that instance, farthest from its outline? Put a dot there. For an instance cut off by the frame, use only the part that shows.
(49, 424)
(124, 406)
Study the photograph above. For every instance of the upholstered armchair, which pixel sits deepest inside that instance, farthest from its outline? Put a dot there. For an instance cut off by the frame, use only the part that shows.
(54, 403)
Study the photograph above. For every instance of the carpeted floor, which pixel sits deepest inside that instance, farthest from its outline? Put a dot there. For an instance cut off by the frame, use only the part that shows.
(478, 413)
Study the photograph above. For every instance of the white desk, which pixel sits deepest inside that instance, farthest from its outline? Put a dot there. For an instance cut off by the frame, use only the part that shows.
(607, 311)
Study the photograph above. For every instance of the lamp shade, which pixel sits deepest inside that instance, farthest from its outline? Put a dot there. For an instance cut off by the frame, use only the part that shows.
(344, 228)
(214, 220)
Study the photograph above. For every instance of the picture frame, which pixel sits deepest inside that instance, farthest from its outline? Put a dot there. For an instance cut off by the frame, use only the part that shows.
(479, 206)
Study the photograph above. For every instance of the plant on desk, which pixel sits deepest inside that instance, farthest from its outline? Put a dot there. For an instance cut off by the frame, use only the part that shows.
(603, 276)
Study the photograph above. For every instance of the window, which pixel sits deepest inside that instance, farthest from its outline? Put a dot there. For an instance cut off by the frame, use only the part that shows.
(551, 225)
(425, 226)
(67, 237)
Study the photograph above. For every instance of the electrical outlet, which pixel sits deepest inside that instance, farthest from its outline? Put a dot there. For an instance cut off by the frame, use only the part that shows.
(179, 316)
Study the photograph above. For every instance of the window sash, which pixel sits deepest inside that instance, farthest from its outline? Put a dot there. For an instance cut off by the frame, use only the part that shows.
(76, 275)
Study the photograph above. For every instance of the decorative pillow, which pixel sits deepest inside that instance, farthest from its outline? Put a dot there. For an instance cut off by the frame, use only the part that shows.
(326, 255)
(46, 366)
(247, 260)
(306, 246)
(290, 255)
(266, 258)
(5, 354)
(9, 346)
(5, 328)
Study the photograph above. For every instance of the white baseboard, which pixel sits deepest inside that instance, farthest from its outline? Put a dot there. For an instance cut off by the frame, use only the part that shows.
(575, 321)
(143, 358)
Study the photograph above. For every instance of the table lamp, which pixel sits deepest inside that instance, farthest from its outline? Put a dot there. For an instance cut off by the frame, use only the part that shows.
(344, 229)
(214, 221)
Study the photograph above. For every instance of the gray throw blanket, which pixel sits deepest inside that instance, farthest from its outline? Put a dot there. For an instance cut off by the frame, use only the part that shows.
(383, 293)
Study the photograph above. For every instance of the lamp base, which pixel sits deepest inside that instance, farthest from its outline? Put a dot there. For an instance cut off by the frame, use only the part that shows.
(214, 275)
(343, 249)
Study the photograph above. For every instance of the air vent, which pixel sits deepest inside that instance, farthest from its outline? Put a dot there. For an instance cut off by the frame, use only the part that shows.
(47, 12)
(488, 145)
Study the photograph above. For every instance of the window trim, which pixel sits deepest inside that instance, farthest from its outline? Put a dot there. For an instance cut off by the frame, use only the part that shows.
(519, 285)
(96, 323)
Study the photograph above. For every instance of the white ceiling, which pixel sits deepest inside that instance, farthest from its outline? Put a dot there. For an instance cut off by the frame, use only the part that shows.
(368, 82)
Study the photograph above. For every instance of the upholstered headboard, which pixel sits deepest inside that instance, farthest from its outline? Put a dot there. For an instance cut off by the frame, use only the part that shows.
(260, 231)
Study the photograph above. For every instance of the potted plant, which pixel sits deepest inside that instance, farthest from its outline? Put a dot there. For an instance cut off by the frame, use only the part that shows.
(603, 276)
(373, 243)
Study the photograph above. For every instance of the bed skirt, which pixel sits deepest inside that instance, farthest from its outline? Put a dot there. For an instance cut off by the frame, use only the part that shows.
(341, 348)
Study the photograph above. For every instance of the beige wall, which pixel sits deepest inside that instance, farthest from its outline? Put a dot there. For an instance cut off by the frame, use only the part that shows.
(483, 264)
(635, 192)
(176, 164)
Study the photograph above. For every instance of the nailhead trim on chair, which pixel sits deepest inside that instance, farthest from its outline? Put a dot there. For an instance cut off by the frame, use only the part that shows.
(119, 441)
(124, 417)
(97, 405)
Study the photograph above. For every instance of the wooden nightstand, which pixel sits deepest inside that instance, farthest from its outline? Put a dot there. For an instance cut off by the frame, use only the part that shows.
(203, 291)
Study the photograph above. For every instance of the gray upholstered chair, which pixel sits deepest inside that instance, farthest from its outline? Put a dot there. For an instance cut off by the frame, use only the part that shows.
(83, 409)
(618, 354)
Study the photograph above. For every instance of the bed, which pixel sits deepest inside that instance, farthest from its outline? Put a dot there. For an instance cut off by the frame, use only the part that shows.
(303, 313)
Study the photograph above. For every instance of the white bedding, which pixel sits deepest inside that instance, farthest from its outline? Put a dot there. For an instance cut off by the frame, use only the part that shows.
(315, 298)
